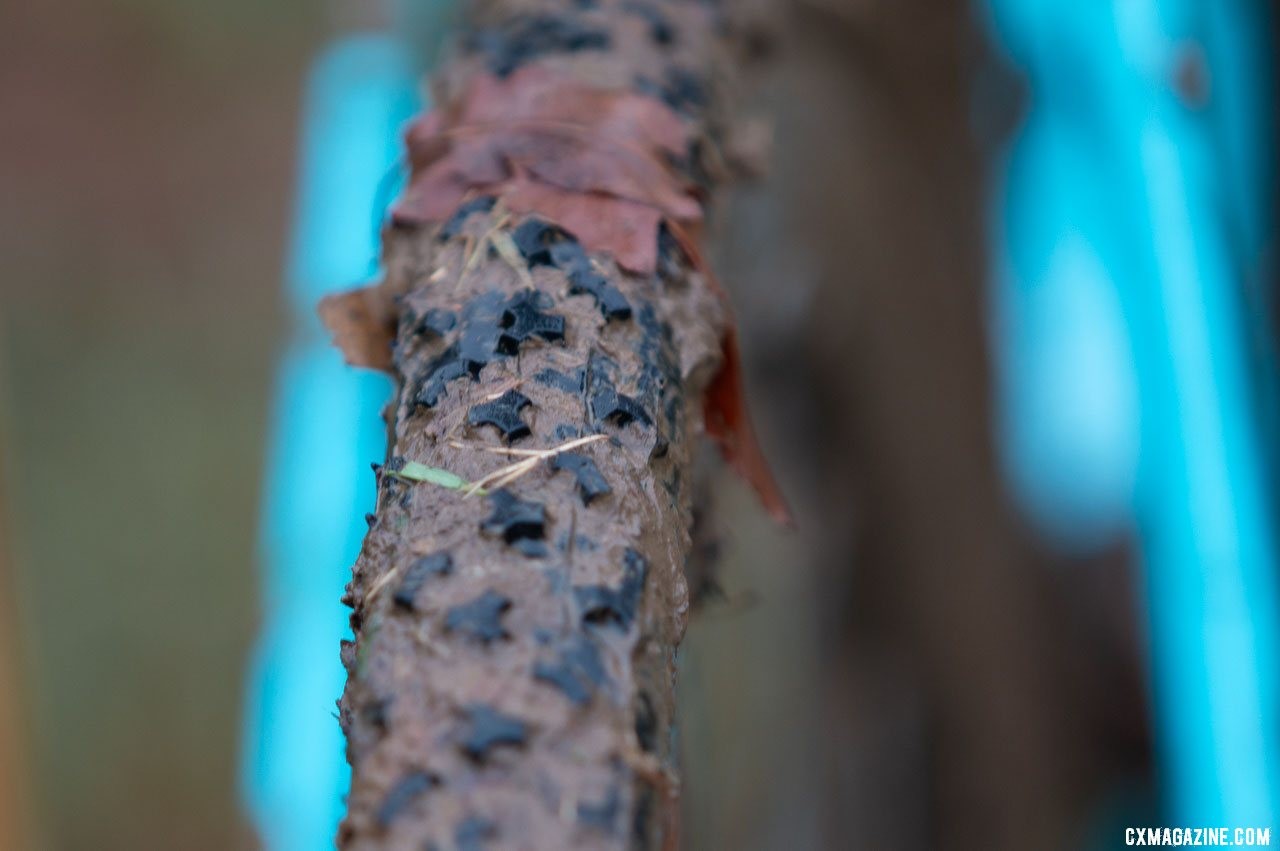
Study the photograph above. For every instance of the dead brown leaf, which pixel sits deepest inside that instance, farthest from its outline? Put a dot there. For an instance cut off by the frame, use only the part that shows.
(624, 229)
(724, 404)
(599, 160)
(363, 325)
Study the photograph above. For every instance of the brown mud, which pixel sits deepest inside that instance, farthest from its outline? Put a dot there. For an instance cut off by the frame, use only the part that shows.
(512, 680)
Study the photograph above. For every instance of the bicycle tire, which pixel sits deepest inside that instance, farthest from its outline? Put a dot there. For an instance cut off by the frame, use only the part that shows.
(511, 682)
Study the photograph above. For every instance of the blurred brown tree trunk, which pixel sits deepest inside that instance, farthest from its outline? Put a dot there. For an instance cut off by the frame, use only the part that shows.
(946, 628)
(971, 699)
(951, 649)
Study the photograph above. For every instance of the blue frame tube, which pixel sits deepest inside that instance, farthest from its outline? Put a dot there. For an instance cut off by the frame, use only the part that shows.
(1169, 198)
(326, 430)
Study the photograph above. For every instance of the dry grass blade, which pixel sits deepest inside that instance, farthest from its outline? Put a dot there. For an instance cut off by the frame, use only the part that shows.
(506, 248)
(474, 249)
(380, 584)
(506, 475)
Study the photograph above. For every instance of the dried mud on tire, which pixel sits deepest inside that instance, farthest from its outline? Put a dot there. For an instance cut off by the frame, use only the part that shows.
(511, 682)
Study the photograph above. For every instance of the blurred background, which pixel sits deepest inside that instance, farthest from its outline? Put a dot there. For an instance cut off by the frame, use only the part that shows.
(1006, 297)
(147, 170)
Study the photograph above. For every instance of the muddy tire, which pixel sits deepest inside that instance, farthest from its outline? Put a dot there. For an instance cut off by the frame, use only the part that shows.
(511, 683)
